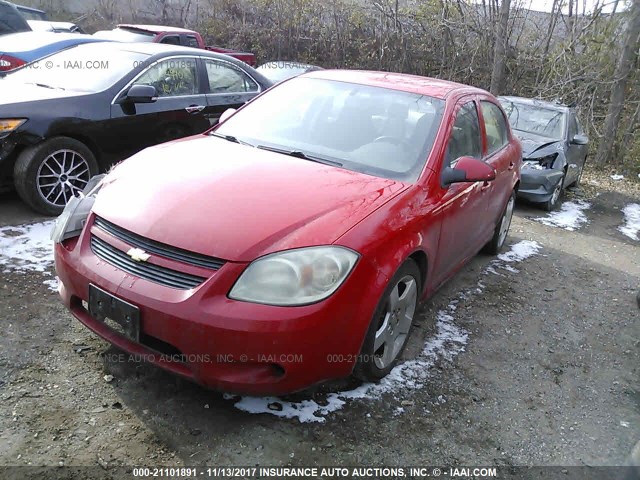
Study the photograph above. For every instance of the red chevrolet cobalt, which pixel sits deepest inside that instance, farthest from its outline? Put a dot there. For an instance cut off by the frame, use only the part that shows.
(292, 243)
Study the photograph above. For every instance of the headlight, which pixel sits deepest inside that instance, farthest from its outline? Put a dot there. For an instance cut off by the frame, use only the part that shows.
(8, 125)
(295, 277)
(74, 216)
(542, 163)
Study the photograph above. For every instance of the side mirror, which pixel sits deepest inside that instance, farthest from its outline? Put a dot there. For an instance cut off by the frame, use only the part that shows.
(468, 169)
(580, 140)
(140, 94)
(226, 114)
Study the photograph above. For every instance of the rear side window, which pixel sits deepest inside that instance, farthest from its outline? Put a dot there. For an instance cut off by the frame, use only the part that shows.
(191, 41)
(465, 137)
(495, 127)
(224, 78)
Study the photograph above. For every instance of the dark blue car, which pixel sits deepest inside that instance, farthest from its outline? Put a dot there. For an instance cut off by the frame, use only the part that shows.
(18, 49)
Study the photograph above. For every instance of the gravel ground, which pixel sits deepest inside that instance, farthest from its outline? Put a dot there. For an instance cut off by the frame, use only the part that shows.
(538, 364)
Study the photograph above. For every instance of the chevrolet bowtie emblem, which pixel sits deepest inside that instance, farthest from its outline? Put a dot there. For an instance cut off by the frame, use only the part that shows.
(138, 255)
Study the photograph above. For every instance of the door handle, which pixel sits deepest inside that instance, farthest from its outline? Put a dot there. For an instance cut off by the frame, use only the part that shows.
(511, 165)
(485, 185)
(195, 108)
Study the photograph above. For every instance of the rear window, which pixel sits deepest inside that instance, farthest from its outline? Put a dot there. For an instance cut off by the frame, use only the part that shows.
(11, 21)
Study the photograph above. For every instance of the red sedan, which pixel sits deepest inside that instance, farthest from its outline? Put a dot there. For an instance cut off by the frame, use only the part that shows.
(292, 243)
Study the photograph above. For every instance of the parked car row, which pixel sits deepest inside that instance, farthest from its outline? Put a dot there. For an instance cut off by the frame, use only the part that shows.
(68, 116)
(289, 238)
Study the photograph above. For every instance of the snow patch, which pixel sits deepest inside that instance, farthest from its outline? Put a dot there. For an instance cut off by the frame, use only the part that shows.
(520, 251)
(631, 228)
(26, 247)
(570, 217)
(449, 340)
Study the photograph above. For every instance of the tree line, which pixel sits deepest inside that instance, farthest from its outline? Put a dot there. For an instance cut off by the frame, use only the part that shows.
(572, 55)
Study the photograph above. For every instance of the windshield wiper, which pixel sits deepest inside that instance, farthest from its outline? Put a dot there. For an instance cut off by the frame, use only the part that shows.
(302, 155)
(230, 138)
(45, 86)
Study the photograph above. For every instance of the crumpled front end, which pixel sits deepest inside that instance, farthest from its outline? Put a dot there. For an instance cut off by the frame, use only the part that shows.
(540, 175)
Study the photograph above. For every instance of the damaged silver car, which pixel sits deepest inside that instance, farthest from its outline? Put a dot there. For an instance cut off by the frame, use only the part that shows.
(554, 148)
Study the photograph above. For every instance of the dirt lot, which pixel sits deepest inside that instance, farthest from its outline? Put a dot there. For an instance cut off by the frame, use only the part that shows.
(516, 361)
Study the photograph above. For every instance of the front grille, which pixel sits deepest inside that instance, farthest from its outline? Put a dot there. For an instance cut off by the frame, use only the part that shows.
(154, 273)
(162, 249)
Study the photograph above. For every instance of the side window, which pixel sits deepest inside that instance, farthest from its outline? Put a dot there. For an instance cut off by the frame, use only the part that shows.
(173, 77)
(171, 40)
(465, 137)
(495, 126)
(573, 126)
(192, 41)
(224, 78)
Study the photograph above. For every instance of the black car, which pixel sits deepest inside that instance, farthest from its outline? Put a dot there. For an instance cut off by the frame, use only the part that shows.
(554, 148)
(11, 21)
(67, 116)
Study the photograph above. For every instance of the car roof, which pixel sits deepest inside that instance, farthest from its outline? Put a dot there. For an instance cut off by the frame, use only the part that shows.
(151, 49)
(397, 81)
(154, 28)
(28, 9)
(536, 102)
(27, 41)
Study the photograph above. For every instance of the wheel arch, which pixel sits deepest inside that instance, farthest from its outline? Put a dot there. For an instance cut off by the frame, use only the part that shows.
(87, 141)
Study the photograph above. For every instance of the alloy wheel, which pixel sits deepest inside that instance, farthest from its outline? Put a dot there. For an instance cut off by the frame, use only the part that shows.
(395, 321)
(505, 223)
(62, 175)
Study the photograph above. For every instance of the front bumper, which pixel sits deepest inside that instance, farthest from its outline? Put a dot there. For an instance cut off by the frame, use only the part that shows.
(538, 185)
(225, 344)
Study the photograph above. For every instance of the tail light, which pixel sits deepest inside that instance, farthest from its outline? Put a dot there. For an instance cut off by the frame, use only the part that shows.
(7, 62)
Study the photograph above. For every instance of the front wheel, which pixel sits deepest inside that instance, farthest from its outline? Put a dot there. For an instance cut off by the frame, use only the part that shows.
(552, 203)
(49, 174)
(389, 329)
(502, 228)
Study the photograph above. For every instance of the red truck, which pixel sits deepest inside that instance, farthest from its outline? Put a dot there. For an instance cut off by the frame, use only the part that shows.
(170, 35)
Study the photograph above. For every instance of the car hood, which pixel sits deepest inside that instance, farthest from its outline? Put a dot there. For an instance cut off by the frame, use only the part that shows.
(16, 92)
(236, 202)
(535, 145)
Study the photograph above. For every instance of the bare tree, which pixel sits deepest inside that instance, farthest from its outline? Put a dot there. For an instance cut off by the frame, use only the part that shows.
(498, 78)
(625, 65)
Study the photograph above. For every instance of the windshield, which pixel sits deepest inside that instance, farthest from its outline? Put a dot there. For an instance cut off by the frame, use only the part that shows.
(373, 130)
(547, 122)
(81, 69)
(125, 35)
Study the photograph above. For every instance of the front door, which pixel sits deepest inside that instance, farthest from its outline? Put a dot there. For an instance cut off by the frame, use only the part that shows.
(462, 207)
(179, 110)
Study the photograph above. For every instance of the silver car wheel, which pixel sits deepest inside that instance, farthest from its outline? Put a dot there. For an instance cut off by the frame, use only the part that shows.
(61, 176)
(505, 223)
(395, 321)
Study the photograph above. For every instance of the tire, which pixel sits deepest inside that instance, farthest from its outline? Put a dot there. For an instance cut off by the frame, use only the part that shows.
(553, 202)
(578, 179)
(391, 327)
(48, 174)
(502, 228)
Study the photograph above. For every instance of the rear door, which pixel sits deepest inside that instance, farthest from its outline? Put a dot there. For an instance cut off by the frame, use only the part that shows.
(500, 154)
(462, 207)
(228, 86)
(177, 112)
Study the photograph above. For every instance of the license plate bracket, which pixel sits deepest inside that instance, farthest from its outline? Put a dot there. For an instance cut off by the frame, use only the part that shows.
(103, 305)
